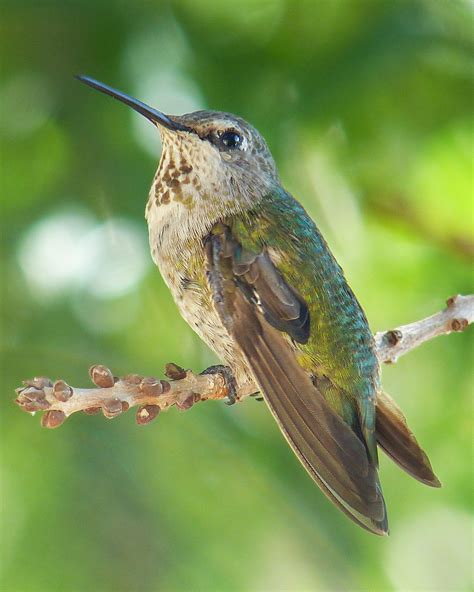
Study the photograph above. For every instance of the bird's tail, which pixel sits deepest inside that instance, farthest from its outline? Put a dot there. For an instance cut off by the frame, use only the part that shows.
(397, 440)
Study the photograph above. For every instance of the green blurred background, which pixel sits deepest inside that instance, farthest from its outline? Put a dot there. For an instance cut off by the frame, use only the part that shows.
(367, 107)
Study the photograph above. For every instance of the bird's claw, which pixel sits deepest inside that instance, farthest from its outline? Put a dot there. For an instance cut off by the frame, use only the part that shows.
(229, 379)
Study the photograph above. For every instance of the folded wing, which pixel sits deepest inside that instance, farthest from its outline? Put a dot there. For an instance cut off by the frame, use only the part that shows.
(263, 314)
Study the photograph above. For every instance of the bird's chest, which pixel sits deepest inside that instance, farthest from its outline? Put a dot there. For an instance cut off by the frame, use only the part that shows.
(180, 257)
(183, 267)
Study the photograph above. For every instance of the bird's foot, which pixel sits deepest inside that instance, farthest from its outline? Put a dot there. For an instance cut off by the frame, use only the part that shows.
(229, 379)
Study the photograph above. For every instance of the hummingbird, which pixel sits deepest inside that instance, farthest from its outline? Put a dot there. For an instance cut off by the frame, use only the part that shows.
(253, 276)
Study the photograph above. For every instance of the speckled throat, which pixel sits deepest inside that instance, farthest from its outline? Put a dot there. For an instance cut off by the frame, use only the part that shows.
(173, 175)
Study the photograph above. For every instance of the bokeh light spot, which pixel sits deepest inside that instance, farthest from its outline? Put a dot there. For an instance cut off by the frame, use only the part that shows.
(70, 252)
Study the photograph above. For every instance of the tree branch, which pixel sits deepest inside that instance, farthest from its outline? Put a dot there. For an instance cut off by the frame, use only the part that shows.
(458, 314)
(114, 395)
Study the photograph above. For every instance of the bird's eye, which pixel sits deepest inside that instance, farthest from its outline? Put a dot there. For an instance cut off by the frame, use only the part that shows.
(231, 139)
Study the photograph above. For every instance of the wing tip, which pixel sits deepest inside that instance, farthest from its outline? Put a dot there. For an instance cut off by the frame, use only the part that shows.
(377, 527)
(432, 482)
(383, 531)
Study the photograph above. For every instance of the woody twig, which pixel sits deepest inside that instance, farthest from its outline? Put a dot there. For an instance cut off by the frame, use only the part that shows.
(112, 395)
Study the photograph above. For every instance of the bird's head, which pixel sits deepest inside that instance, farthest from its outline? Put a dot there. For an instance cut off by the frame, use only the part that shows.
(207, 155)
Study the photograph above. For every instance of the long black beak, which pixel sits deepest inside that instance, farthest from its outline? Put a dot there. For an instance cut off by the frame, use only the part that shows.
(153, 115)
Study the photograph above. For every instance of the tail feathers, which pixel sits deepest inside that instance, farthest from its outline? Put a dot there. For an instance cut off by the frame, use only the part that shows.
(397, 440)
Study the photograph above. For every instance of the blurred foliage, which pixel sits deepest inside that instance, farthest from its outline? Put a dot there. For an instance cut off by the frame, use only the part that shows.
(367, 107)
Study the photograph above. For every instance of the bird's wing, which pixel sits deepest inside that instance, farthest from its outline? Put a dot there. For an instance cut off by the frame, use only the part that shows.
(262, 312)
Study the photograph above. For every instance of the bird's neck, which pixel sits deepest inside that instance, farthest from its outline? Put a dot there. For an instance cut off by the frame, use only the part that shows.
(187, 198)
(179, 222)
